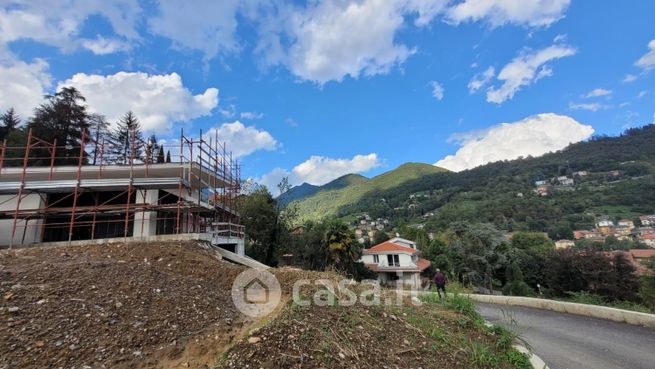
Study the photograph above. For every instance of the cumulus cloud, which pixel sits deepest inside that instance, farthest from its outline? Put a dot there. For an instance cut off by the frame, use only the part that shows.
(251, 115)
(103, 46)
(598, 92)
(535, 135)
(535, 13)
(437, 90)
(525, 70)
(157, 100)
(242, 140)
(588, 106)
(334, 39)
(211, 30)
(629, 78)
(647, 62)
(481, 79)
(319, 170)
(38, 21)
(23, 84)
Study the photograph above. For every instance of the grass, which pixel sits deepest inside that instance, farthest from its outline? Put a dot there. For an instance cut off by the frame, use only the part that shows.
(592, 299)
(480, 354)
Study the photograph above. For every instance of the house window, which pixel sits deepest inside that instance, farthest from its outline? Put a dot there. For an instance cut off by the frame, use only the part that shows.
(376, 259)
(393, 260)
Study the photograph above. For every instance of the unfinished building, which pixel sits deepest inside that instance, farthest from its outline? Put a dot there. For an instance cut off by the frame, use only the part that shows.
(103, 196)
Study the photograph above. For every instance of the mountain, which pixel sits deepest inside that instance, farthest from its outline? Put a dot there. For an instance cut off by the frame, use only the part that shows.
(502, 192)
(305, 190)
(330, 198)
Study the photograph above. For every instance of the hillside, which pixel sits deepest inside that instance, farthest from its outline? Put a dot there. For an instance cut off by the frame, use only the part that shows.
(305, 190)
(327, 202)
(502, 192)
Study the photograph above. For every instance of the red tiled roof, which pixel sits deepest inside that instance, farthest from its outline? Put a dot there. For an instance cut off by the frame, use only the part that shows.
(423, 264)
(642, 253)
(389, 246)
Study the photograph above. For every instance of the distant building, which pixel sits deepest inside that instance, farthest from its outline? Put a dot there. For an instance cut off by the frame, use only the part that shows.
(543, 190)
(567, 182)
(580, 234)
(648, 240)
(540, 183)
(396, 261)
(646, 230)
(581, 173)
(604, 221)
(626, 223)
(647, 220)
(564, 244)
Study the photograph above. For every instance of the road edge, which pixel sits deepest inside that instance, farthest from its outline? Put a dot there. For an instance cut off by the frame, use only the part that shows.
(602, 312)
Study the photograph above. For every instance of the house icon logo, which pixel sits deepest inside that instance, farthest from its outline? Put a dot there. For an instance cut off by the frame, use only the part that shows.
(256, 293)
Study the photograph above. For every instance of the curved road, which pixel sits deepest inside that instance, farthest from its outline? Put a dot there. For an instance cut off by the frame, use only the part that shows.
(566, 341)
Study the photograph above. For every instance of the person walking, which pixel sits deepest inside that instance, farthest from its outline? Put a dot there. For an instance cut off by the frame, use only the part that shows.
(440, 281)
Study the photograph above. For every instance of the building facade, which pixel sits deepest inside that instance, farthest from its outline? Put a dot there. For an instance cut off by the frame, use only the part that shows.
(396, 262)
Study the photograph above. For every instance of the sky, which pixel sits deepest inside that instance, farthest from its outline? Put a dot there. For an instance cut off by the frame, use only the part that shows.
(312, 90)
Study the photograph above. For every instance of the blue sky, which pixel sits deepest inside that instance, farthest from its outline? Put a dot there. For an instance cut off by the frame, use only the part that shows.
(317, 89)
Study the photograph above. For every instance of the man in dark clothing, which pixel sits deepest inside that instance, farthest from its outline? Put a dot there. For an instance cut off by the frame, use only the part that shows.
(440, 281)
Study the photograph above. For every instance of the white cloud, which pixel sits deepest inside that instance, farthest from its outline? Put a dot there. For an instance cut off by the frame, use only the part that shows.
(629, 78)
(587, 106)
(437, 90)
(525, 70)
(647, 62)
(23, 84)
(319, 170)
(535, 135)
(481, 79)
(38, 20)
(598, 92)
(642, 93)
(334, 39)
(251, 115)
(103, 46)
(535, 13)
(427, 10)
(243, 140)
(205, 25)
(157, 100)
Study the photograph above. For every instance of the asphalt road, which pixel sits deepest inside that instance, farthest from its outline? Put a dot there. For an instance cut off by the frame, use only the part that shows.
(566, 341)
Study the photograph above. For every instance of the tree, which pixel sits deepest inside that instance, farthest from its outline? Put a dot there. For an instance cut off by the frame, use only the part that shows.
(127, 139)
(259, 216)
(379, 237)
(160, 155)
(168, 156)
(478, 253)
(99, 132)
(63, 118)
(9, 121)
(341, 245)
(151, 150)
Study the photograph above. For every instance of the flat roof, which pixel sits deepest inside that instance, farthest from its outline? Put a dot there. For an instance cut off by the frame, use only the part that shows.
(120, 172)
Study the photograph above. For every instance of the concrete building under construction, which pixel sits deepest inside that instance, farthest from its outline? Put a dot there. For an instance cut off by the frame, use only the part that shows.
(102, 197)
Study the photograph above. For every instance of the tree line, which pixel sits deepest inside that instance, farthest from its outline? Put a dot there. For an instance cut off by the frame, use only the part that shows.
(64, 119)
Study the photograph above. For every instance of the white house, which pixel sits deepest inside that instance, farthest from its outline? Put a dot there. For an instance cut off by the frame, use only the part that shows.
(647, 220)
(396, 261)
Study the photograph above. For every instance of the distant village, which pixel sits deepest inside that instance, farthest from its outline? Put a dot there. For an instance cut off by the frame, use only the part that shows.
(624, 230)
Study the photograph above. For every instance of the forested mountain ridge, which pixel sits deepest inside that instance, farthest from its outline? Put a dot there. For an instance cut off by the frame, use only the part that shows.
(305, 190)
(328, 201)
(502, 192)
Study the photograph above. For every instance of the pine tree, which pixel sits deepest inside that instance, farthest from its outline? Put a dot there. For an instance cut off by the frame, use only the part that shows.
(10, 121)
(168, 156)
(151, 150)
(160, 155)
(64, 118)
(100, 134)
(127, 140)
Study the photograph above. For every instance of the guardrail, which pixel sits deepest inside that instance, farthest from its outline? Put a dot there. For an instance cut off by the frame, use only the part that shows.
(229, 230)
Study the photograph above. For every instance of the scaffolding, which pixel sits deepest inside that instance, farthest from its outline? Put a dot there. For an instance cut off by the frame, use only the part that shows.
(57, 192)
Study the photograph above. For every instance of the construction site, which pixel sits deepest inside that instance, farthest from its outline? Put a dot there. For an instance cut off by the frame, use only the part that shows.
(49, 195)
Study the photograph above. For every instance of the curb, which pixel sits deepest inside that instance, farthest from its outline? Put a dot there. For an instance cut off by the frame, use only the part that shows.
(535, 361)
(602, 312)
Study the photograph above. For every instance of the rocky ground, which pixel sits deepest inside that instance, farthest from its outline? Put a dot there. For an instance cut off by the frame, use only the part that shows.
(115, 306)
(364, 337)
(169, 305)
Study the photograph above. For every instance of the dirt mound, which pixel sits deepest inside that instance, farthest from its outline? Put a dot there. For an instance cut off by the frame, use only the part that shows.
(115, 306)
(366, 337)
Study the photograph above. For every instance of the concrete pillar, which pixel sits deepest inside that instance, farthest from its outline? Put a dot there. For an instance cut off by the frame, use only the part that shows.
(26, 233)
(145, 222)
